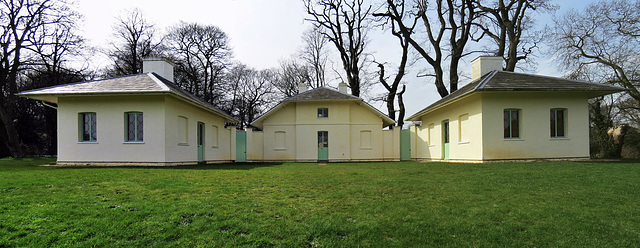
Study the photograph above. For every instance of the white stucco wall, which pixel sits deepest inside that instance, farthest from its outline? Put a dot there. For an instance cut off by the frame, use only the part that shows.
(110, 115)
(535, 141)
(161, 131)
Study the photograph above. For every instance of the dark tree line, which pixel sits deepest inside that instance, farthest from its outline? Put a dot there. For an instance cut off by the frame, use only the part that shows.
(37, 39)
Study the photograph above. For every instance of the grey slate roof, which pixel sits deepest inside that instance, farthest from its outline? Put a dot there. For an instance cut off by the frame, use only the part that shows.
(513, 82)
(320, 94)
(139, 84)
(323, 94)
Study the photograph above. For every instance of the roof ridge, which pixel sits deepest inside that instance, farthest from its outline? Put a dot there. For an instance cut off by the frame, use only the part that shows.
(156, 78)
(485, 80)
(553, 77)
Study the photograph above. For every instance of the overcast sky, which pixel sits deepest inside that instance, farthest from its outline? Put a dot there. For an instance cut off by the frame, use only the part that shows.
(262, 32)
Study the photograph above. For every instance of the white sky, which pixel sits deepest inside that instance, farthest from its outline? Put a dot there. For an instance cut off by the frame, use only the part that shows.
(262, 32)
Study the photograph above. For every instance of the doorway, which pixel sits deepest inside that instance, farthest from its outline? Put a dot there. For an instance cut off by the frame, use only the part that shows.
(405, 145)
(323, 145)
(241, 146)
(200, 142)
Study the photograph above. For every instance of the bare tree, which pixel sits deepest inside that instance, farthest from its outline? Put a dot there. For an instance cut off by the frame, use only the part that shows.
(26, 25)
(507, 24)
(603, 39)
(345, 24)
(392, 89)
(451, 28)
(290, 74)
(603, 42)
(135, 39)
(203, 54)
(313, 54)
(250, 93)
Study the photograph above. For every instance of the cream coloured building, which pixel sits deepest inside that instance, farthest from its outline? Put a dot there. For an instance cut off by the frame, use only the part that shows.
(323, 124)
(506, 116)
(141, 119)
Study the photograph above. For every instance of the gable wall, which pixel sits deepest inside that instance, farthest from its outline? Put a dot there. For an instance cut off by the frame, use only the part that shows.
(355, 133)
(337, 124)
(282, 121)
(110, 115)
(535, 141)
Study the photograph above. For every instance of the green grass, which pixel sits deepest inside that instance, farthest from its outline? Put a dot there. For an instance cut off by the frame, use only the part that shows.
(395, 204)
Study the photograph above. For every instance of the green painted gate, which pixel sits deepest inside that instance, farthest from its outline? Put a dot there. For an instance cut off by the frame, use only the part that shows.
(405, 145)
(200, 142)
(445, 139)
(241, 146)
(323, 146)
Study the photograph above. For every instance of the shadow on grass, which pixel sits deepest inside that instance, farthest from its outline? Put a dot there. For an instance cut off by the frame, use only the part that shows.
(611, 161)
(226, 166)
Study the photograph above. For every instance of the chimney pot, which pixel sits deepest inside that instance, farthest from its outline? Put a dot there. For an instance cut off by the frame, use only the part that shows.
(485, 64)
(161, 66)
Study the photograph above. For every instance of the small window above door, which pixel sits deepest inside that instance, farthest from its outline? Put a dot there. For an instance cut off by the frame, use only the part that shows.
(323, 113)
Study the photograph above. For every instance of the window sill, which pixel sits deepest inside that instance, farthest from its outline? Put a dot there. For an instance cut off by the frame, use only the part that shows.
(559, 138)
(183, 144)
(279, 149)
(513, 139)
(214, 147)
(431, 146)
(133, 142)
(463, 142)
(87, 142)
(366, 148)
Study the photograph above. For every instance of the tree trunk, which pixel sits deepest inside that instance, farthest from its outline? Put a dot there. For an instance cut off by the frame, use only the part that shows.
(13, 139)
(401, 106)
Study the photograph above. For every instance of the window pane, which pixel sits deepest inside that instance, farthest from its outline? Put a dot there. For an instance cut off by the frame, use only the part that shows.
(140, 129)
(515, 124)
(323, 139)
(131, 127)
(323, 112)
(85, 127)
(552, 120)
(507, 126)
(560, 122)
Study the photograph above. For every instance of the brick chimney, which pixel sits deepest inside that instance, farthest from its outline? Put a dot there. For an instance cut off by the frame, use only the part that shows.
(302, 87)
(161, 66)
(342, 87)
(485, 64)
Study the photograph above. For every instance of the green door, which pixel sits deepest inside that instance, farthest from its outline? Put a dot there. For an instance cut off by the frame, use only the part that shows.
(445, 139)
(241, 146)
(200, 142)
(405, 145)
(323, 146)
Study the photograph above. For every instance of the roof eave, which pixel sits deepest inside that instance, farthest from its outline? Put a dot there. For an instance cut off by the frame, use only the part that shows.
(47, 97)
(416, 116)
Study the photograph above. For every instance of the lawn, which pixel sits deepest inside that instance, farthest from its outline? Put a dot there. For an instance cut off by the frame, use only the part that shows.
(390, 204)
